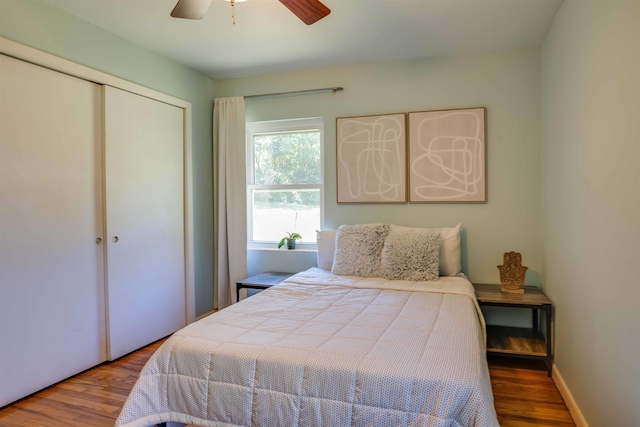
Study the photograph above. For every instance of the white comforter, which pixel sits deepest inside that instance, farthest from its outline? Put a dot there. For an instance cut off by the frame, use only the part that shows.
(325, 350)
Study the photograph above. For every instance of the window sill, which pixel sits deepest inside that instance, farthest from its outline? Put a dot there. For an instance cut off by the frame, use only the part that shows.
(282, 250)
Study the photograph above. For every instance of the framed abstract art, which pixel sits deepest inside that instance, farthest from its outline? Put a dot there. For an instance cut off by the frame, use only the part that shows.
(447, 156)
(371, 159)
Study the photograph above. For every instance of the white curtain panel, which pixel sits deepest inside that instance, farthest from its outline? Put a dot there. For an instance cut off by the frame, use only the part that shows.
(231, 202)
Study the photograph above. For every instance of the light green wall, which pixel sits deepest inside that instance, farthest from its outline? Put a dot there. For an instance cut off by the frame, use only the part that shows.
(39, 25)
(578, 189)
(508, 84)
(590, 203)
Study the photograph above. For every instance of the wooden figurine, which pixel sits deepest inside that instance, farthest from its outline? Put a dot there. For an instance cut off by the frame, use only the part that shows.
(512, 273)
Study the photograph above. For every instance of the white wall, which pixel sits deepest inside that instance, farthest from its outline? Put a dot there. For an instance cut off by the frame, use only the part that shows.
(39, 25)
(590, 204)
(508, 84)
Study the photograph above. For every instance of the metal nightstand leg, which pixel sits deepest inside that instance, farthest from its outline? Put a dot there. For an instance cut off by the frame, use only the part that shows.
(549, 358)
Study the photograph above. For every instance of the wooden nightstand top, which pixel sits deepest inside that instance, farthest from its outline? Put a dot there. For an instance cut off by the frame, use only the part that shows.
(492, 295)
(261, 281)
(264, 279)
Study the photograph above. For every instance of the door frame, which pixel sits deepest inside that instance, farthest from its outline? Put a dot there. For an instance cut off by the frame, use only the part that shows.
(43, 59)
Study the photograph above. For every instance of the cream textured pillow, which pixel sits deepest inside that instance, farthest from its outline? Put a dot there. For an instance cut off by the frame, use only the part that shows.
(450, 254)
(326, 241)
(411, 255)
(358, 249)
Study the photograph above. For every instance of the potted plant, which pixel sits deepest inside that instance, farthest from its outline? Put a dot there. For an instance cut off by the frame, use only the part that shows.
(290, 240)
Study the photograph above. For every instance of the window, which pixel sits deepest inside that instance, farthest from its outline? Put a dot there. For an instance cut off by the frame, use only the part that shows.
(284, 181)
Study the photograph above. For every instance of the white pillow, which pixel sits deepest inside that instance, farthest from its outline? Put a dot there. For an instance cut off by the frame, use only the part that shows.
(326, 240)
(450, 254)
(411, 255)
(358, 249)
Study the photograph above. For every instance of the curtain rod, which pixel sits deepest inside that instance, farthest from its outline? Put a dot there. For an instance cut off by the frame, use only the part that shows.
(296, 92)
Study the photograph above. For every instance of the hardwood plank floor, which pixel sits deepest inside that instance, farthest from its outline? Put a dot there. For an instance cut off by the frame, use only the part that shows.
(523, 395)
(90, 399)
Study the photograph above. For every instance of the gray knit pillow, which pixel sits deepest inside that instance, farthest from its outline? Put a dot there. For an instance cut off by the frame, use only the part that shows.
(358, 249)
(411, 256)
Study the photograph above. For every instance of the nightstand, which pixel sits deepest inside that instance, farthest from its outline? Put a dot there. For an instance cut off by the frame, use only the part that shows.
(519, 342)
(261, 281)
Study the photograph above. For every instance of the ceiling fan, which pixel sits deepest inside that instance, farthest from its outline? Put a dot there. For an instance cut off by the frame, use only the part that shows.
(309, 11)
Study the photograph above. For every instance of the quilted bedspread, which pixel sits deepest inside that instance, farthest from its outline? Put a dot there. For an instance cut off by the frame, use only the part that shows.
(325, 350)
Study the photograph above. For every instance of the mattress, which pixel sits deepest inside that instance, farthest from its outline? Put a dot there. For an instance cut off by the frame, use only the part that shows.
(325, 350)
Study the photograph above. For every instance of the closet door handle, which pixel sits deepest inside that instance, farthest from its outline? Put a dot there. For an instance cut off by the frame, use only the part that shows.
(115, 239)
(99, 240)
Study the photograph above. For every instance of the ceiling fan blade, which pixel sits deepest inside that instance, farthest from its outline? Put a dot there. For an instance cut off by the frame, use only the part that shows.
(190, 9)
(309, 11)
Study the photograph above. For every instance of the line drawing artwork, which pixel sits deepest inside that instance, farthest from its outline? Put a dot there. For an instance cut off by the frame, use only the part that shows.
(447, 156)
(371, 156)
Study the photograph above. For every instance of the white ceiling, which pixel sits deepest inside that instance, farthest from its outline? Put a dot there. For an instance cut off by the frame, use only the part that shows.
(267, 38)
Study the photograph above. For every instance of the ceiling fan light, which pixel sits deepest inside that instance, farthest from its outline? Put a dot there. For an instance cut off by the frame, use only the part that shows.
(308, 11)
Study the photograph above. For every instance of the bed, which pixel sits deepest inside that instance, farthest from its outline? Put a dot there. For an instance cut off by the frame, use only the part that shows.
(322, 349)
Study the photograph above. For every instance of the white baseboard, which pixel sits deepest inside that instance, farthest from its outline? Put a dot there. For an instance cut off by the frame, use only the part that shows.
(574, 410)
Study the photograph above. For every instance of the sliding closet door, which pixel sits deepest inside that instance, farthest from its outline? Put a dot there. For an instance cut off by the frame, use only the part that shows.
(144, 179)
(52, 318)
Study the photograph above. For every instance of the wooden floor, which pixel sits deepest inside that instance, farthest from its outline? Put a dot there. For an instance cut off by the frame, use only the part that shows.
(524, 396)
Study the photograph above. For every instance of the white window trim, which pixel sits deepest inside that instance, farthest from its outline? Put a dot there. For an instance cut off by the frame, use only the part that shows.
(287, 125)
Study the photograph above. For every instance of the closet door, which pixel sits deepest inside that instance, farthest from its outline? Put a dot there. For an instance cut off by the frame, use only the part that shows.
(52, 317)
(144, 179)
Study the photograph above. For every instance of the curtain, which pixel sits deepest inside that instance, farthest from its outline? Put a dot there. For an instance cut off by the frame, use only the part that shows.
(230, 212)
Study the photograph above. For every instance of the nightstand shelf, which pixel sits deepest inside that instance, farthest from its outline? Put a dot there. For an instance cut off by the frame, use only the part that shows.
(518, 342)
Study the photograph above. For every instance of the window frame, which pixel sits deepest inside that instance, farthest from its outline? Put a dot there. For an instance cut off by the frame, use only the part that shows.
(279, 126)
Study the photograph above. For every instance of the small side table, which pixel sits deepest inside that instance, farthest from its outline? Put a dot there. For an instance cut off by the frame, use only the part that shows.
(518, 342)
(261, 281)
